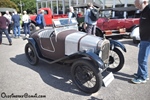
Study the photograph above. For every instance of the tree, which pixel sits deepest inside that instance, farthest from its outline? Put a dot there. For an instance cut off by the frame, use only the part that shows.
(28, 5)
(8, 4)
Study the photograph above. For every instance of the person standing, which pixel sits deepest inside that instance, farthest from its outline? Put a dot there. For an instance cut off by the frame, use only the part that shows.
(144, 48)
(71, 13)
(8, 16)
(40, 20)
(16, 21)
(90, 25)
(26, 23)
(3, 28)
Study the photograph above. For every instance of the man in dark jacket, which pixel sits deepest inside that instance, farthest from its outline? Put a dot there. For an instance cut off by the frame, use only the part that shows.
(3, 28)
(144, 49)
(16, 21)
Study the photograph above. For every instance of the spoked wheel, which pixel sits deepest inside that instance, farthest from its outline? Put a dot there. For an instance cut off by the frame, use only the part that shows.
(31, 54)
(116, 60)
(86, 76)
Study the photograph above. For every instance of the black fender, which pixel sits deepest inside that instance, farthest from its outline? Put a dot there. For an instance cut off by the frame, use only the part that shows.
(92, 56)
(34, 44)
(99, 32)
(134, 27)
(32, 41)
(115, 43)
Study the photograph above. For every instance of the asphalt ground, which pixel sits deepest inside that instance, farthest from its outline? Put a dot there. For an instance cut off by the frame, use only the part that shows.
(21, 81)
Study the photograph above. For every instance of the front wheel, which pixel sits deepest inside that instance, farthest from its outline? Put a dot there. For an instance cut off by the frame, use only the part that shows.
(86, 76)
(31, 54)
(116, 60)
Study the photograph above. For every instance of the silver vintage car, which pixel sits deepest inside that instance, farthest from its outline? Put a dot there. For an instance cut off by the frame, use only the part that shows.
(88, 55)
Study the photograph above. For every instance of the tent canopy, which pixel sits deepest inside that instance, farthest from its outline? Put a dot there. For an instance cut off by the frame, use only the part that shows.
(7, 9)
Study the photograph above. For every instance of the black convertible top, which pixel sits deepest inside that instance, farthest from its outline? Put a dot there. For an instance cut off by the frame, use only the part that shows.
(120, 9)
(85, 5)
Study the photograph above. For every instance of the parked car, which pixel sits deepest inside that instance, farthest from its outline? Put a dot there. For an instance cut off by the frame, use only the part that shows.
(48, 16)
(88, 55)
(117, 25)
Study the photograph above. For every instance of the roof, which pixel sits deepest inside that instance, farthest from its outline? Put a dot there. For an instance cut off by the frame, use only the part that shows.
(85, 5)
(7, 9)
(121, 9)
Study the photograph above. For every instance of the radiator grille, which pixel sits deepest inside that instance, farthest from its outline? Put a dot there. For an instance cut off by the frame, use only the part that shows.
(105, 52)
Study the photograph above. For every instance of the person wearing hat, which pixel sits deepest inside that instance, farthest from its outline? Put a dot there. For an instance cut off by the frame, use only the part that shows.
(26, 23)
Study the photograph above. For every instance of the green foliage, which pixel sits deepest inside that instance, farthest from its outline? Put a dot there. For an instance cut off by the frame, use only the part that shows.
(8, 4)
(28, 5)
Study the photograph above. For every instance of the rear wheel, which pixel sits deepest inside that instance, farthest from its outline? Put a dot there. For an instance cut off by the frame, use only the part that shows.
(32, 27)
(86, 77)
(31, 54)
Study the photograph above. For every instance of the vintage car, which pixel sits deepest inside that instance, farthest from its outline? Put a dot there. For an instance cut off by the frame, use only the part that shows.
(88, 55)
(119, 23)
(113, 25)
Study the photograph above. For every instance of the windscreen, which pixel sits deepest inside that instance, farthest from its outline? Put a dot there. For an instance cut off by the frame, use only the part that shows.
(64, 22)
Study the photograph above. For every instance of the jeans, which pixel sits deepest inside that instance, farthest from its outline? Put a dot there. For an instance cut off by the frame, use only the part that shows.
(91, 29)
(9, 28)
(7, 35)
(26, 28)
(144, 52)
(17, 30)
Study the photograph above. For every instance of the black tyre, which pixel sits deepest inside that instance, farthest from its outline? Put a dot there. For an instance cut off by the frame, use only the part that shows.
(85, 76)
(32, 27)
(116, 60)
(31, 54)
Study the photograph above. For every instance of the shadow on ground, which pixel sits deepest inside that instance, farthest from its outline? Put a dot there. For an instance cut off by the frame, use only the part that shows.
(55, 75)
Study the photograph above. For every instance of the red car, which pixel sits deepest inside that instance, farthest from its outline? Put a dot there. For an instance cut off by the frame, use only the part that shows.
(117, 25)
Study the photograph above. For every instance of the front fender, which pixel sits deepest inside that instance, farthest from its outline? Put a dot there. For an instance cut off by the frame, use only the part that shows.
(34, 44)
(92, 56)
(32, 41)
(114, 43)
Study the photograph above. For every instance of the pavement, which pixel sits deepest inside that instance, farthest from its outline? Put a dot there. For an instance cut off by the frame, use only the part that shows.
(21, 81)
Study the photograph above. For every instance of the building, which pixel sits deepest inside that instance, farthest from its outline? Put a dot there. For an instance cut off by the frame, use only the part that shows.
(62, 6)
